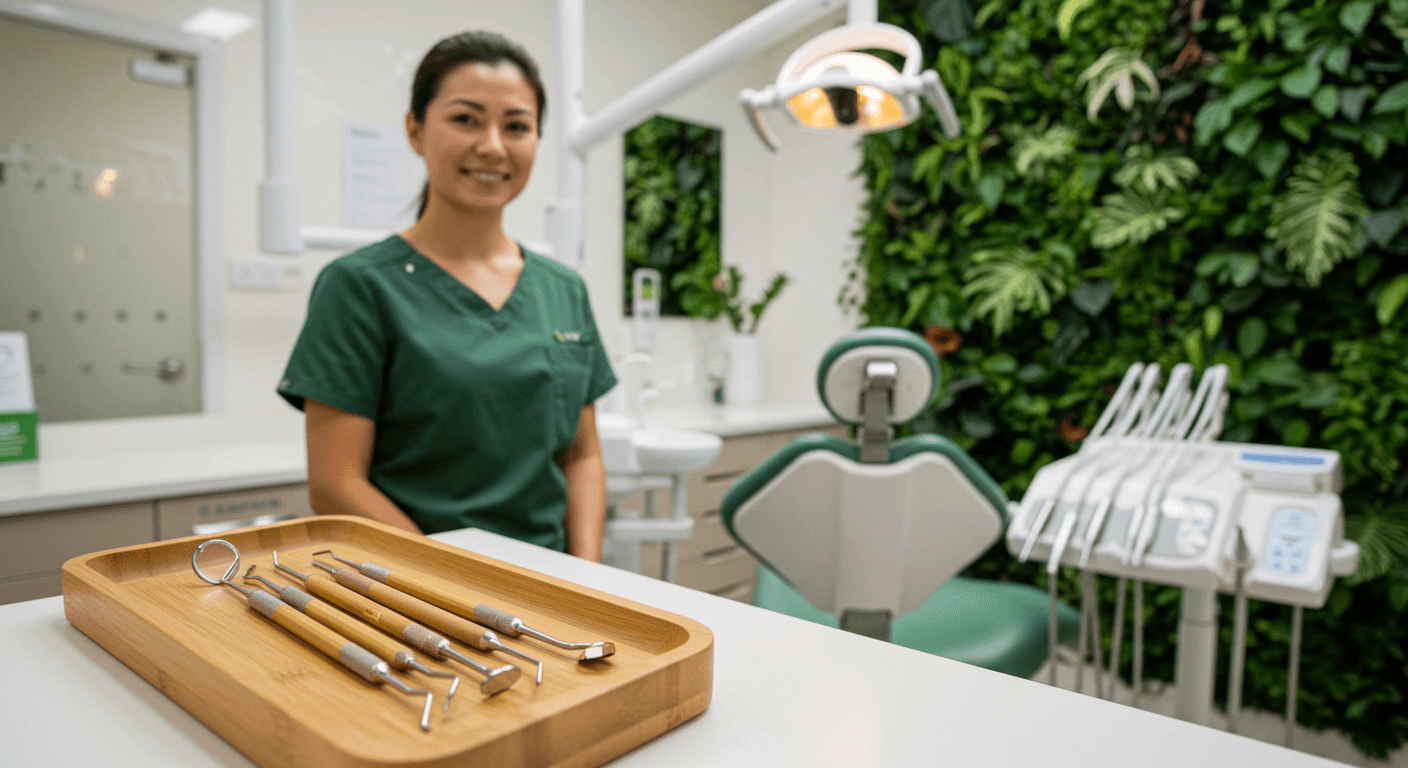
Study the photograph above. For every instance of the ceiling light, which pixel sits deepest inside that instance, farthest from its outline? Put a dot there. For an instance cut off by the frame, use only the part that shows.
(831, 84)
(217, 23)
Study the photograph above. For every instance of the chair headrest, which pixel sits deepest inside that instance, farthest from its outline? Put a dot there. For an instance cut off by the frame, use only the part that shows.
(840, 377)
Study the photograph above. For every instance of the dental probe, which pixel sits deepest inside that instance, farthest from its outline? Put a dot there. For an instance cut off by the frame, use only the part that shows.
(486, 615)
(448, 623)
(335, 646)
(399, 657)
(416, 635)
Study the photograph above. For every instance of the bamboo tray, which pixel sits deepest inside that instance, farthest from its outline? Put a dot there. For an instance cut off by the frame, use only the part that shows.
(283, 704)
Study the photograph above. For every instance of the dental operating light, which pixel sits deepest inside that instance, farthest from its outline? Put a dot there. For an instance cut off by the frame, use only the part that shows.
(831, 84)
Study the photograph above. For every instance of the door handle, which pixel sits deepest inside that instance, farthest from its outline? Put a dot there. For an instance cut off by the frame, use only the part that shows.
(168, 369)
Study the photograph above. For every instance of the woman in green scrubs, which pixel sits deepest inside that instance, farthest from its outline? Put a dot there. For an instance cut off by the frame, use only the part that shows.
(446, 373)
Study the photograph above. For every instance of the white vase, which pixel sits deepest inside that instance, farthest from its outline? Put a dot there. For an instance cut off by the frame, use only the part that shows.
(744, 371)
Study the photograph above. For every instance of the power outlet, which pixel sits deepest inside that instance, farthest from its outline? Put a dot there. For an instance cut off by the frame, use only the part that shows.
(256, 275)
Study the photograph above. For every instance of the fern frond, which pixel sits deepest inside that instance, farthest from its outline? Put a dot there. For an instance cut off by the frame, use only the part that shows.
(1316, 220)
(1382, 537)
(1132, 217)
(1013, 280)
(1147, 172)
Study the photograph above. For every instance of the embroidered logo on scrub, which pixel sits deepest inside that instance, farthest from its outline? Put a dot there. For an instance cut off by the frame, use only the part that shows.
(567, 335)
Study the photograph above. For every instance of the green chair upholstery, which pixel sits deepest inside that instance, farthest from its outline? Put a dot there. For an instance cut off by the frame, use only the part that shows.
(869, 535)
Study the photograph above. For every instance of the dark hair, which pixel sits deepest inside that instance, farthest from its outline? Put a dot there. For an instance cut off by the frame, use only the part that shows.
(464, 48)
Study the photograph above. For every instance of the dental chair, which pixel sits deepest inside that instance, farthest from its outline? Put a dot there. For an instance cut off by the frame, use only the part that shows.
(869, 536)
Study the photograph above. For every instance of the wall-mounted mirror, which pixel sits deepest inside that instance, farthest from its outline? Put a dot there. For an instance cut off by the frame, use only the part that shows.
(673, 195)
(101, 213)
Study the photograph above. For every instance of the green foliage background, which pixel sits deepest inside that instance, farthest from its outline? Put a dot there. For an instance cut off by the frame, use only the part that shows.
(1251, 212)
(673, 186)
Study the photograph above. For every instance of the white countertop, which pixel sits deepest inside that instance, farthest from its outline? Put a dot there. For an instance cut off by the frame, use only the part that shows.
(86, 464)
(786, 693)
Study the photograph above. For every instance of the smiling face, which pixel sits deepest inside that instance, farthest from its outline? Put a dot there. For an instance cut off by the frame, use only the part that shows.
(479, 136)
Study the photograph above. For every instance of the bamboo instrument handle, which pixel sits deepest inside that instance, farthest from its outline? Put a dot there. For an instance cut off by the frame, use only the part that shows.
(433, 595)
(365, 608)
(382, 646)
(436, 618)
(313, 633)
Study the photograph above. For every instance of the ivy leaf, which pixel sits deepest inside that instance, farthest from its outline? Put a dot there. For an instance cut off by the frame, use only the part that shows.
(1392, 298)
(1251, 337)
(990, 189)
(1302, 81)
(1316, 220)
(1212, 119)
(1326, 101)
(1354, 16)
(1212, 321)
(1337, 60)
(1352, 101)
(1298, 125)
(1270, 157)
(1243, 135)
(1249, 91)
(1092, 296)
(1392, 100)
(950, 20)
(1131, 217)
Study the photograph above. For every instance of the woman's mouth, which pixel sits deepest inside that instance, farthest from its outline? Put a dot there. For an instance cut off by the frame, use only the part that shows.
(486, 177)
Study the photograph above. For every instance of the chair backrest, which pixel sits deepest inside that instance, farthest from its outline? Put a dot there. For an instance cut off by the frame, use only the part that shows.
(875, 525)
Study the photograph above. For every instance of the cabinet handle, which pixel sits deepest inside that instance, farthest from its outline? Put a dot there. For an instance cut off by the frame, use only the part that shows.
(169, 369)
(207, 529)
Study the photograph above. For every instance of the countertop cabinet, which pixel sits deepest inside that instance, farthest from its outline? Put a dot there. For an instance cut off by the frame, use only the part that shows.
(34, 547)
(711, 561)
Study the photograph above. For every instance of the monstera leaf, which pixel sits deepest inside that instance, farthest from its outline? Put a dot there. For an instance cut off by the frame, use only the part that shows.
(1034, 151)
(1316, 220)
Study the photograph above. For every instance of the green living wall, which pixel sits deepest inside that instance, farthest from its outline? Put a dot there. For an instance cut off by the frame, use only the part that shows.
(1154, 180)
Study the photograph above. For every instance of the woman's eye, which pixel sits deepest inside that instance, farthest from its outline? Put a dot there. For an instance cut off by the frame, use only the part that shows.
(520, 128)
(466, 119)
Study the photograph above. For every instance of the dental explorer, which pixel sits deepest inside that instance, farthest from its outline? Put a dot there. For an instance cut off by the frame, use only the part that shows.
(399, 657)
(348, 654)
(485, 615)
(417, 635)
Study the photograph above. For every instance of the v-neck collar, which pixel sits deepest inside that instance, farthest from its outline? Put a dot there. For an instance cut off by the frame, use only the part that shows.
(482, 302)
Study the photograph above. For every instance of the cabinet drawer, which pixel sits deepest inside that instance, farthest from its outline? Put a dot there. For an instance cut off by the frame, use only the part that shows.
(719, 572)
(33, 544)
(211, 515)
(710, 537)
(18, 590)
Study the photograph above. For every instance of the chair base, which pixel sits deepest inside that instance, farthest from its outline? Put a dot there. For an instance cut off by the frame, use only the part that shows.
(995, 625)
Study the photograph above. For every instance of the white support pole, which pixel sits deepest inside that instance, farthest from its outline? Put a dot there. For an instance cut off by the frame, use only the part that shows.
(862, 12)
(279, 205)
(565, 224)
(1196, 663)
(754, 34)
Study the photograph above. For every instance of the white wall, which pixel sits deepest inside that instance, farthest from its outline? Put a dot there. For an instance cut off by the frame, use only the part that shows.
(790, 212)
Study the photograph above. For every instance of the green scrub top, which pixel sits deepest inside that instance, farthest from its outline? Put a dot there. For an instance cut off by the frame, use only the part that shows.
(473, 407)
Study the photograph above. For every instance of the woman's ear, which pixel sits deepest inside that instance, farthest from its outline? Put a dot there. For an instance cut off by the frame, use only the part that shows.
(413, 129)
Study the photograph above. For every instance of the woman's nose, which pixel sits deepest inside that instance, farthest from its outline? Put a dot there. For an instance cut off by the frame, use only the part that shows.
(490, 142)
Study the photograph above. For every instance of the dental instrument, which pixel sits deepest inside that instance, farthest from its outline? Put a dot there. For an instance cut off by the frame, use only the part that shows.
(421, 611)
(395, 624)
(485, 615)
(335, 646)
(1239, 633)
(399, 657)
(1127, 409)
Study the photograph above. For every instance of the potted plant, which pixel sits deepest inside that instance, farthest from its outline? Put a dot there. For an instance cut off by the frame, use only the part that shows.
(721, 296)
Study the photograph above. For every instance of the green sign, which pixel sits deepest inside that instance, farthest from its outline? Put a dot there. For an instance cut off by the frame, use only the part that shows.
(19, 436)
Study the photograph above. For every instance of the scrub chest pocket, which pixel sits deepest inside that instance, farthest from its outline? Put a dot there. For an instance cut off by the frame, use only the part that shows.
(570, 355)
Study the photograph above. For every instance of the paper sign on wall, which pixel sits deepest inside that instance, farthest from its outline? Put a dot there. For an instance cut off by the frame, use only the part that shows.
(381, 176)
(19, 422)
